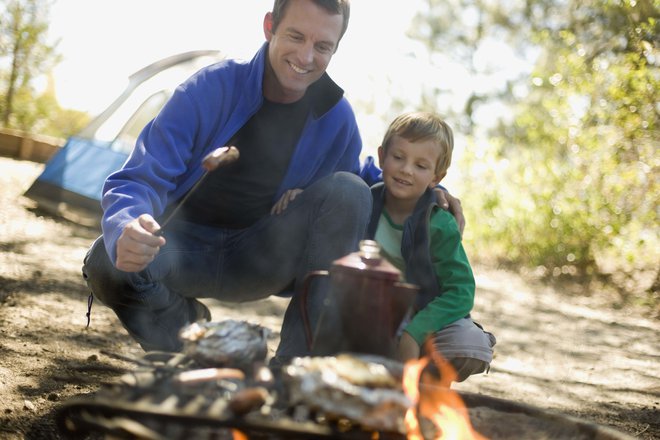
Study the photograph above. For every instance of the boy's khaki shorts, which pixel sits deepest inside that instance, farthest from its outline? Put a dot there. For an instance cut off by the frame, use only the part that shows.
(467, 346)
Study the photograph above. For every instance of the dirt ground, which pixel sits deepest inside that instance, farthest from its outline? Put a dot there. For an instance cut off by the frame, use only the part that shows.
(570, 354)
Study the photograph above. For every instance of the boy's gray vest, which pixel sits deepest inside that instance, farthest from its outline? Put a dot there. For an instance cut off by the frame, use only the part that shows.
(415, 244)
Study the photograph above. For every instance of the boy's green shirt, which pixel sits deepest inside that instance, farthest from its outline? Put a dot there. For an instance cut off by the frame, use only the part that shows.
(452, 273)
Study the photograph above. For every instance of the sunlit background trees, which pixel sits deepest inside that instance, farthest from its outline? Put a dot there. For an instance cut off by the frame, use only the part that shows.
(26, 57)
(558, 166)
(565, 182)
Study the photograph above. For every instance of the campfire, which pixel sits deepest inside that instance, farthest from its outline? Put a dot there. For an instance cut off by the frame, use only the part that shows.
(436, 402)
(215, 389)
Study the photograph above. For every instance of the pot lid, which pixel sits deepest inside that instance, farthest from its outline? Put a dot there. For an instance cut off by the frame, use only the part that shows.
(369, 261)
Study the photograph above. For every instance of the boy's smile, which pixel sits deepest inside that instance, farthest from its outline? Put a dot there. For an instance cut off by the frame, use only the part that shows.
(401, 181)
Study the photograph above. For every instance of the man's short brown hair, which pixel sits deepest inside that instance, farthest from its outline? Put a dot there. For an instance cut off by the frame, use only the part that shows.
(342, 7)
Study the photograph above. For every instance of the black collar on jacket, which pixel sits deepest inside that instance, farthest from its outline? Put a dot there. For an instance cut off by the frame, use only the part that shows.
(324, 94)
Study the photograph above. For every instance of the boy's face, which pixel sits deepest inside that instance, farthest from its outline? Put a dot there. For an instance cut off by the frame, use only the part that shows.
(300, 49)
(409, 168)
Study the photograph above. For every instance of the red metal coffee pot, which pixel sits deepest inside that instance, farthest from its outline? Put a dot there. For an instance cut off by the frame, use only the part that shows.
(366, 304)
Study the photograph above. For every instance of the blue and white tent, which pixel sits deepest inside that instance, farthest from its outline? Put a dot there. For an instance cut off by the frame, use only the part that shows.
(72, 180)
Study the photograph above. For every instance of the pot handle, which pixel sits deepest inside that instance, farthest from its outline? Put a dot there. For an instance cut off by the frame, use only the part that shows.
(303, 303)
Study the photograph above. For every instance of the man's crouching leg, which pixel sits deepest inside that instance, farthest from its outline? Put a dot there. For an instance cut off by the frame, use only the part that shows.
(333, 215)
(151, 314)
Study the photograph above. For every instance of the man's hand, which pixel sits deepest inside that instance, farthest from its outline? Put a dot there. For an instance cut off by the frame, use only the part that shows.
(284, 201)
(408, 348)
(137, 245)
(453, 205)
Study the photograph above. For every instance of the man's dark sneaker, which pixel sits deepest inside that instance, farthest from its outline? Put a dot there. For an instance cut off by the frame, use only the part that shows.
(199, 311)
(276, 363)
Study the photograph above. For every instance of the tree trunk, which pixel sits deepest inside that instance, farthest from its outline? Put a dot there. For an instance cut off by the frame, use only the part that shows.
(13, 75)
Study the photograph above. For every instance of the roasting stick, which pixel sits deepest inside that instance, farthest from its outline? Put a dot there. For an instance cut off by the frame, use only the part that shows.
(215, 159)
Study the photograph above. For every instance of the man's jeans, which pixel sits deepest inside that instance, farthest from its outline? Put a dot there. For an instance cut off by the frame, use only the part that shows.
(325, 222)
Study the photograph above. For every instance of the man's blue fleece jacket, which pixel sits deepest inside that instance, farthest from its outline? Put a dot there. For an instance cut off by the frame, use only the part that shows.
(203, 114)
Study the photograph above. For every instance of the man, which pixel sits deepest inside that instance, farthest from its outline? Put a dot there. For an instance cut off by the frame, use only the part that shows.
(291, 204)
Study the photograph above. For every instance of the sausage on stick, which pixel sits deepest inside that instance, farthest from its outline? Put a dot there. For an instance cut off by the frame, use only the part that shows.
(215, 159)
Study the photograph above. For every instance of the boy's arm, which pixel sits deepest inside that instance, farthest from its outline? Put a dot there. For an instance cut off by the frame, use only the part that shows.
(454, 276)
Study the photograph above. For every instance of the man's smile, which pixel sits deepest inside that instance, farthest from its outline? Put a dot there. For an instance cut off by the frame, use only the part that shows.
(298, 69)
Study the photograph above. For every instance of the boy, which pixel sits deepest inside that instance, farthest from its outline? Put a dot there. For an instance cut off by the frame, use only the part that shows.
(424, 242)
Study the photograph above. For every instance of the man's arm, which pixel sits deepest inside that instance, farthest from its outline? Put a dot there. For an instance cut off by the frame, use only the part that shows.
(156, 172)
(284, 201)
(451, 204)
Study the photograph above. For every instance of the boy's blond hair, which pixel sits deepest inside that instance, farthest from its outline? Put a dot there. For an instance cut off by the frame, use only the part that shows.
(422, 126)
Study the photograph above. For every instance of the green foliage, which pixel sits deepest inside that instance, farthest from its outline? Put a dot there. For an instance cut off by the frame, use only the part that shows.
(573, 171)
(26, 55)
(64, 123)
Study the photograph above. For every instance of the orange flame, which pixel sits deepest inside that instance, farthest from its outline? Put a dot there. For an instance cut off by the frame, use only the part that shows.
(412, 372)
(436, 402)
(238, 435)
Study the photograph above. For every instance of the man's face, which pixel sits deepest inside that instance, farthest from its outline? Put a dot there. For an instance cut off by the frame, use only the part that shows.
(300, 49)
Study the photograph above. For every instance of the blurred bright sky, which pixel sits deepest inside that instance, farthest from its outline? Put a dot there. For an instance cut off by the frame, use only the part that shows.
(103, 42)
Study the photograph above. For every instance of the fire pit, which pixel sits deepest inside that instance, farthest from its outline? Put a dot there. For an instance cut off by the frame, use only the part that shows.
(175, 399)
(174, 396)
(503, 419)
